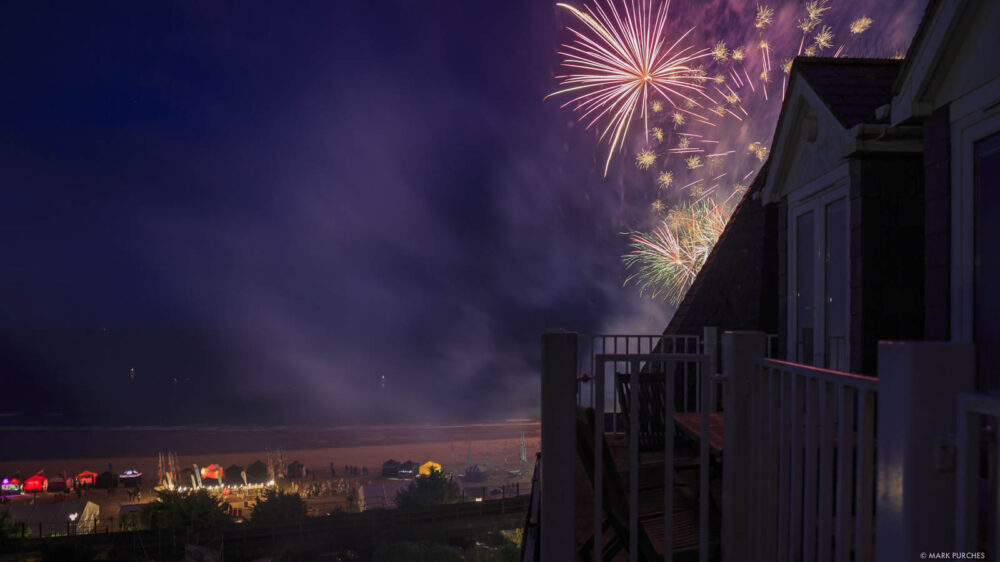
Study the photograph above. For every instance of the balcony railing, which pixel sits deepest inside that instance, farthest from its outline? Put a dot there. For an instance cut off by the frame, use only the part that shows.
(814, 467)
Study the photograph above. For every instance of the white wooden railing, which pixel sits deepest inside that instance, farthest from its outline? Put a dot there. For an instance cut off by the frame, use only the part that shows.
(812, 463)
(801, 477)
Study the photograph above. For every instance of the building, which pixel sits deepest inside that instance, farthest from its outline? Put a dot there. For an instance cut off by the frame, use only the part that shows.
(408, 469)
(860, 264)
(390, 468)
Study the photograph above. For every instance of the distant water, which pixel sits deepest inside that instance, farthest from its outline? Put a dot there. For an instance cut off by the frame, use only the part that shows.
(50, 442)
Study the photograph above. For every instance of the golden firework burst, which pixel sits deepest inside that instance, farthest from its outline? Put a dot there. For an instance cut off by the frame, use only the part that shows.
(861, 25)
(719, 52)
(645, 159)
(765, 16)
(824, 38)
(665, 179)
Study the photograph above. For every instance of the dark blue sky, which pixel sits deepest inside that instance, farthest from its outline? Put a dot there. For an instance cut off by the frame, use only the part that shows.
(277, 206)
(281, 205)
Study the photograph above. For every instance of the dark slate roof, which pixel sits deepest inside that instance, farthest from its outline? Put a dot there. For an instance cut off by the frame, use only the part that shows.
(736, 289)
(852, 88)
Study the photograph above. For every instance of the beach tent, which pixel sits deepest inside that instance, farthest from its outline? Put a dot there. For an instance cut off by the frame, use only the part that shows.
(390, 468)
(232, 476)
(10, 486)
(211, 475)
(296, 470)
(60, 484)
(212, 471)
(130, 478)
(86, 478)
(428, 467)
(35, 484)
(257, 473)
(56, 517)
(106, 479)
(408, 468)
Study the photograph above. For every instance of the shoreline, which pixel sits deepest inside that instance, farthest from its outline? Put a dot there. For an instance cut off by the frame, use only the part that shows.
(357, 445)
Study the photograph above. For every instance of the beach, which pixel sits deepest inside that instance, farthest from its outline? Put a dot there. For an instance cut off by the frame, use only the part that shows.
(455, 446)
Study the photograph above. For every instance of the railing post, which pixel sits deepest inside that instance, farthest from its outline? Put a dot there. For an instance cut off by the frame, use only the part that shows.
(915, 501)
(558, 492)
(710, 339)
(739, 349)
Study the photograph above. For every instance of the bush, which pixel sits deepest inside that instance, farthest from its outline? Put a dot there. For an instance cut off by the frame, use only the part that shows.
(197, 510)
(434, 489)
(278, 507)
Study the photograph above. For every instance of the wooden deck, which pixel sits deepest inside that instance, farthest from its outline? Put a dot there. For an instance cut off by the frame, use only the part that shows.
(684, 511)
(690, 425)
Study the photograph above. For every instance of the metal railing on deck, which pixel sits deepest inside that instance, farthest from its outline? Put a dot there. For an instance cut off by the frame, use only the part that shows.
(812, 463)
(653, 376)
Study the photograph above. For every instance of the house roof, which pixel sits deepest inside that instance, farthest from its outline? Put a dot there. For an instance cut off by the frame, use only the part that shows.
(851, 88)
(736, 286)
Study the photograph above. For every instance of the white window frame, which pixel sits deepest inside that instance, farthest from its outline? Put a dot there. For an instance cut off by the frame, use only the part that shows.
(815, 196)
(974, 117)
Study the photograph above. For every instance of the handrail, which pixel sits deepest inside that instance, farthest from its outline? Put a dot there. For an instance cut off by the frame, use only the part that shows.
(862, 382)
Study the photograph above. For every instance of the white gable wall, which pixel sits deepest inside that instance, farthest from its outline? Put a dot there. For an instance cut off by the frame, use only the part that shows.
(797, 162)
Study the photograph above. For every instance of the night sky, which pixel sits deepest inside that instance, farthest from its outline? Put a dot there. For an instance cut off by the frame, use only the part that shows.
(276, 207)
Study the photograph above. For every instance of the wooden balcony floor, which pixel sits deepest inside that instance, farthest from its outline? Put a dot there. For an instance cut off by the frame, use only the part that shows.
(684, 510)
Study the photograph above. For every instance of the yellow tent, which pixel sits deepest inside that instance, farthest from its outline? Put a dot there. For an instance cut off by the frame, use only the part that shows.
(427, 467)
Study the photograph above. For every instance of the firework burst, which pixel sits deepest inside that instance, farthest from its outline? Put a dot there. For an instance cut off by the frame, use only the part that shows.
(765, 16)
(698, 104)
(666, 261)
(861, 25)
(645, 159)
(618, 61)
(665, 179)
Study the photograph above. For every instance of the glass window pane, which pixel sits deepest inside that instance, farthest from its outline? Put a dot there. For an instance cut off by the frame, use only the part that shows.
(836, 276)
(987, 262)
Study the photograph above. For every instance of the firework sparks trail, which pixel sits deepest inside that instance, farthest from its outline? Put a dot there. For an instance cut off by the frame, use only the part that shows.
(618, 65)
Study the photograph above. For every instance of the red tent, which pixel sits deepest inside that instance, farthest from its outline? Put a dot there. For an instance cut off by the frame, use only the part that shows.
(212, 471)
(37, 483)
(86, 477)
